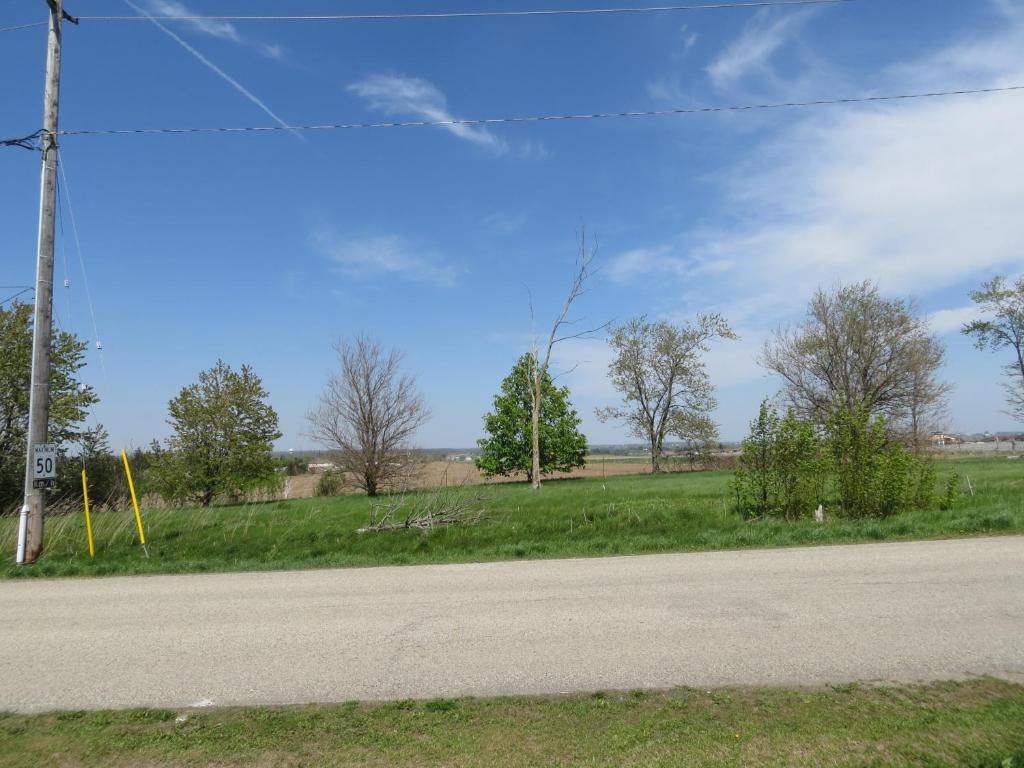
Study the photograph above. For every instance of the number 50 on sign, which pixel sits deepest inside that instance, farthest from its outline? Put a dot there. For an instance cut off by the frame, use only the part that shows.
(44, 465)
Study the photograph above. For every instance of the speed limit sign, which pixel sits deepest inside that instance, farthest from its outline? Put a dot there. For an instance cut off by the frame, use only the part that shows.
(44, 465)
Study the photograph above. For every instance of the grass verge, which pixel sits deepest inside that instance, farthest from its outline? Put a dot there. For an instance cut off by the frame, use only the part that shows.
(566, 518)
(974, 723)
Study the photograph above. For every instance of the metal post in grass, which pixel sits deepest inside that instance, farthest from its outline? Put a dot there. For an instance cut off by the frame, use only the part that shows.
(135, 501)
(88, 518)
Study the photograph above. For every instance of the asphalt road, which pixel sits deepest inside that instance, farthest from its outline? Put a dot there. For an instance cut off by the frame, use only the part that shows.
(893, 612)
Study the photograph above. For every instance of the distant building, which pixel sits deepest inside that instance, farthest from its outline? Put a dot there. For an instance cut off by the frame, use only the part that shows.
(938, 438)
(322, 466)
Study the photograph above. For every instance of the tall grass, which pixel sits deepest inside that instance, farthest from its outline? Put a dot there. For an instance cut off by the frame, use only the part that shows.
(566, 518)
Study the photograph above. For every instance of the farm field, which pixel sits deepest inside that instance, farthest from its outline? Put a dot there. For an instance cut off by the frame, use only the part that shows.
(975, 723)
(441, 473)
(566, 518)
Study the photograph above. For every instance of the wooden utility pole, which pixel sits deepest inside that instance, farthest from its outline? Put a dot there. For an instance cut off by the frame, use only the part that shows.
(30, 542)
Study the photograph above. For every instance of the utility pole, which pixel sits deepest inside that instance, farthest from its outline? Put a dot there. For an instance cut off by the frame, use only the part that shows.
(30, 529)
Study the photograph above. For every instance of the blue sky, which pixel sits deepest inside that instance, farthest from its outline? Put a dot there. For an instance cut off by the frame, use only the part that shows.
(264, 248)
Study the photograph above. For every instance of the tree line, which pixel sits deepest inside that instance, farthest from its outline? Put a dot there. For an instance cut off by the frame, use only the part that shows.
(860, 371)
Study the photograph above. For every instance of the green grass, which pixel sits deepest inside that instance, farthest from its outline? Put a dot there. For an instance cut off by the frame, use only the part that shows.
(567, 518)
(975, 723)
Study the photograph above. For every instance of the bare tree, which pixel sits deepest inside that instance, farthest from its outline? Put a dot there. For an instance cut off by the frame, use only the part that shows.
(560, 331)
(367, 415)
(1003, 328)
(926, 410)
(659, 370)
(857, 350)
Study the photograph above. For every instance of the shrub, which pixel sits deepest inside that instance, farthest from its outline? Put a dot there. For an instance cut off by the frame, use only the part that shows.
(781, 469)
(875, 476)
(788, 466)
(951, 492)
(329, 484)
(800, 467)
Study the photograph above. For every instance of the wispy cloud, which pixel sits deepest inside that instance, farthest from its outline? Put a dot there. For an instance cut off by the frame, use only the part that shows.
(220, 29)
(762, 37)
(952, 320)
(506, 222)
(272, 51)
(217, 70)
(923, 197)
(689, 38)
(398, 95)
(369, 258)
(225, 30)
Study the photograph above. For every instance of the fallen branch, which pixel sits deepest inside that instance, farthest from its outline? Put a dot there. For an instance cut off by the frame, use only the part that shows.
(425, 511)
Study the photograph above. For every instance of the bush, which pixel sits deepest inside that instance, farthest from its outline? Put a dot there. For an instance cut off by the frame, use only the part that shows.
(951, 492)
(875, 476)
(781, 469)
(787, 467)
(329, 484)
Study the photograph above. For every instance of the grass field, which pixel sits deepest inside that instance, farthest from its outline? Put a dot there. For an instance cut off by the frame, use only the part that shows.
(975, 723)
(566, 518)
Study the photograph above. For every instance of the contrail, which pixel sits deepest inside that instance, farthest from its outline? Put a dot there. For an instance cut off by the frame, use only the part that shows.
(230, 80)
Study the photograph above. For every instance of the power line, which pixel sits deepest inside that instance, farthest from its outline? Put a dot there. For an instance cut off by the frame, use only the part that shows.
(66, 189)
(24, 26)
(471, 14)
(24, 289)
(542, 118)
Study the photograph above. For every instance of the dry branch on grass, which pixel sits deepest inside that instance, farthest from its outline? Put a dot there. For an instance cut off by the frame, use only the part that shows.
(425, 511)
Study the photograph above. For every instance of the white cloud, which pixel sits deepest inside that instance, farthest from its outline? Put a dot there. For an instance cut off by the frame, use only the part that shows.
(919, 196)
(215, 69)
(688, 39)
(663, 261)
(225, 30)
(951, 320)
(643, 261)
(272, 51)
(397, 95)
(922, 196)
(367, 258)
(506, 222)
(751, 53)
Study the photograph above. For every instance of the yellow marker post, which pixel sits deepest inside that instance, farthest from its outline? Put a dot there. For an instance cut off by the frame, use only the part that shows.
(88, 519)
(135, 501)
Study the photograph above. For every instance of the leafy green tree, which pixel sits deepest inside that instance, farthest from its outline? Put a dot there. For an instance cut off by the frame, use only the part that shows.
(507, 450)
(69, 398)
(801, 467)
(781, 468)
(755, 482)
(659, 369)
(222, 441)
(873, 473)
(1003, 328)
(107, 484)
(856, 349)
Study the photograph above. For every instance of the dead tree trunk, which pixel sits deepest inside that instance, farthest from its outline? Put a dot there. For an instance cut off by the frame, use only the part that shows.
(583, 272)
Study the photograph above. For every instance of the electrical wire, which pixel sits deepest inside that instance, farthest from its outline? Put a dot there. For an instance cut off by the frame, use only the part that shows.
(24, 26)
(24, 289)
(64, 257)
(473, 14)
(81, 260)
(25, 142)
(542, 118)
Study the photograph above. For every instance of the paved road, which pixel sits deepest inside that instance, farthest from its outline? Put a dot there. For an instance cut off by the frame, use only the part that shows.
(900, 612)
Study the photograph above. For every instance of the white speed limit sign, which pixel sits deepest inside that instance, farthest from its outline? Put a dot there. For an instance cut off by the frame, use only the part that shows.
(44, 461)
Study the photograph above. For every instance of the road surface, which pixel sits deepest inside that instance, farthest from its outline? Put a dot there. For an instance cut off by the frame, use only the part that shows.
(808, 616)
